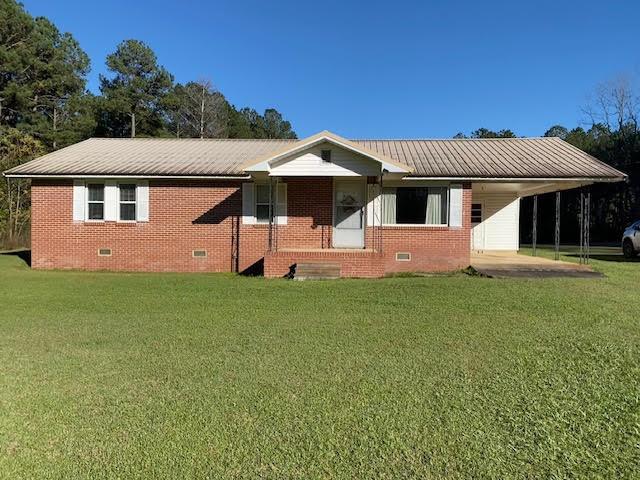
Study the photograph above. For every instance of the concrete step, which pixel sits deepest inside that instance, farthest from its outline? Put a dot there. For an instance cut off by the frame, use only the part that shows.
(317, 271)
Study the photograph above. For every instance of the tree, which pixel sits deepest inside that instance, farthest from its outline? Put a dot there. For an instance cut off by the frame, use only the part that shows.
(16, 27)
(275, 126)
(615, 104)
(197, 110)
(486, 133)
(16, 147)
(557, 131)
(247, 123)
(133, 96)
(41, 70)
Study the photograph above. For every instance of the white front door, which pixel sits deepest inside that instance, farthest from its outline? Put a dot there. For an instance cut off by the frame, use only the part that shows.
(477, 226)
(348, 213)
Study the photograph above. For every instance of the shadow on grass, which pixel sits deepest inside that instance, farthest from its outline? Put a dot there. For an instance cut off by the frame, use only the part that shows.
(619, 258)
(24, 255)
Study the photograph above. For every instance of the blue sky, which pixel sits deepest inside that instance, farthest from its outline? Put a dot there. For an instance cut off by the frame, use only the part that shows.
(372, 69)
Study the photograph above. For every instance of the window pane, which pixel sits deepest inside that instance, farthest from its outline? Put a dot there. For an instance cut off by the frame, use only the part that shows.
(389, 206)
(411, 205)
(127, 211)
(96, 211)
(262, 193)
(476, 212)
(437, 206)
(262, 213)
(96, 192)
(127, 193)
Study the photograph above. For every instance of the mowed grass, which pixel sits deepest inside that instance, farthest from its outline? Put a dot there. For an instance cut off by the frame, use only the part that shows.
(106, 375)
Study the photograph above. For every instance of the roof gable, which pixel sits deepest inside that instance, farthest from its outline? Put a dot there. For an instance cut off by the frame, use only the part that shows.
(290, 152)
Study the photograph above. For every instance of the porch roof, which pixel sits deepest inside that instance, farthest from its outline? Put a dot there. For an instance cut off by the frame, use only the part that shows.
(469, 159)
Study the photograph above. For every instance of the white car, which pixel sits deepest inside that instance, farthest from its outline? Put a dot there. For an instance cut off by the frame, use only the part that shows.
(631, 240)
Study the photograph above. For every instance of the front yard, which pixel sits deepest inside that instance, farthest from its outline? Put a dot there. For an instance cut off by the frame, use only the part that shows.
(170, 375)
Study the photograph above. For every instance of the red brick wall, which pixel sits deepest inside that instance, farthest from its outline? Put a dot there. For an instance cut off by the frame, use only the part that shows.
(356, 264)
(189, 215)
(309, 213)
(432, 249)
(184, 216)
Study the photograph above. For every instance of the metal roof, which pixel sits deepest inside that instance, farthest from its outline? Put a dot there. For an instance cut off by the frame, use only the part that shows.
(546, 157)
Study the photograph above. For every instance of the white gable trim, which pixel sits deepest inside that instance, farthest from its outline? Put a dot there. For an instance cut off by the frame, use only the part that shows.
(265, 164)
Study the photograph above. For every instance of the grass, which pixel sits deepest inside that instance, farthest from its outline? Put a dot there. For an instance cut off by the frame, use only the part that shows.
(106, 375)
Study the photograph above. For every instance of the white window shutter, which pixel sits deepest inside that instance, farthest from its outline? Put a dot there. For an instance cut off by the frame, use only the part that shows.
(110, 201)
(455, 205)
(142, 201)
(79, 201)
(281, 207)
(374, 205)
(248, 204)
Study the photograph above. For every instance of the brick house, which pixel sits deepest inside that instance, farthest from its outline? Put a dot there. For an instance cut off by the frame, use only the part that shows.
(365, 207)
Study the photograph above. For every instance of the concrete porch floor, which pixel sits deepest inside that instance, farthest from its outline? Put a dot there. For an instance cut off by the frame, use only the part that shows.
(511, 264)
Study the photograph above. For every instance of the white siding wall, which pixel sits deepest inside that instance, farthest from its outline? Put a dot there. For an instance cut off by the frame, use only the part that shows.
(501, 220)
(309, 163)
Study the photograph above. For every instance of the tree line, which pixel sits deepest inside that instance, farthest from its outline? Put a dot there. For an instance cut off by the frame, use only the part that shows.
(45, 104)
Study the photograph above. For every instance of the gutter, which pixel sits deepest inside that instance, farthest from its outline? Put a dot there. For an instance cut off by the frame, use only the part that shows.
(172, 177)
(523, 179)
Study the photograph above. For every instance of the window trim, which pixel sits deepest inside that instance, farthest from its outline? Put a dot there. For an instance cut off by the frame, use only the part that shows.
(421, 225)
(127, 202)
(87, 202)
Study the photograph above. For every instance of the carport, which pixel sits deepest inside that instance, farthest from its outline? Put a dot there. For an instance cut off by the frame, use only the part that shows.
(510, 264)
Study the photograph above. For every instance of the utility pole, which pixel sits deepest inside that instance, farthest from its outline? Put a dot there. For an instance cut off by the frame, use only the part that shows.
(133, 125)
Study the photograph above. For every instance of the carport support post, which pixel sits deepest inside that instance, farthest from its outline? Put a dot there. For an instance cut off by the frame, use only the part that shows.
(534, 229)
(557, 231)
(585, 221)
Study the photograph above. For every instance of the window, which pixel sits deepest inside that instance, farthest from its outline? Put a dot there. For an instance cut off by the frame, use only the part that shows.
(326, 155)
(127, 201)
(415, 206)
(104, 252)
(95, 201)
(262, 192)
(199, 253)
(403, 256)
(476, 213)
(262, 203)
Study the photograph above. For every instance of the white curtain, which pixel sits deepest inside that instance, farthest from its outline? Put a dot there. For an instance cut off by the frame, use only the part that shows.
(435, 201)
(389, 206)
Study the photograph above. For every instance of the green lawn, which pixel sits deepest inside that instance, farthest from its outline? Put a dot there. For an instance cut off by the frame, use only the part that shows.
(172, 375)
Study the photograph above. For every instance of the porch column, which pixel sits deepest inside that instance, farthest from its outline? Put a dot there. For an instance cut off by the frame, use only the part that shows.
(273, 213)
(380, 233)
